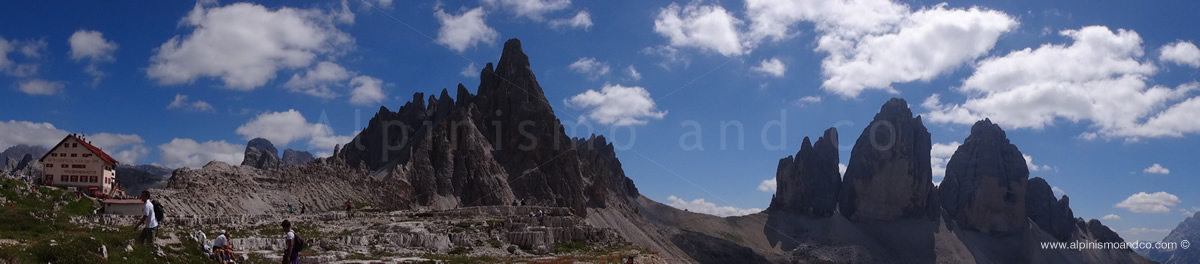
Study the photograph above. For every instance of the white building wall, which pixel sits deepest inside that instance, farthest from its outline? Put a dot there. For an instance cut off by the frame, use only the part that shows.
(73, 165)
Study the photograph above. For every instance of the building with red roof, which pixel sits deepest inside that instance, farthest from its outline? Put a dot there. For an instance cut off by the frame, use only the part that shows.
(75, 162)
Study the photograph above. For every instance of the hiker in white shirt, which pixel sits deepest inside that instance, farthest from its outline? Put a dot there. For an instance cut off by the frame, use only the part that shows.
(147, 236)
(290, 254)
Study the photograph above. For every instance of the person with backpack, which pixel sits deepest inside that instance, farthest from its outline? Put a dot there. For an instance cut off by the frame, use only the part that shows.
(150, 213)
(293, 244)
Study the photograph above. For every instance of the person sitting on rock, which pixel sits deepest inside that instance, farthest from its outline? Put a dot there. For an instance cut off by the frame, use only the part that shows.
(222, 249)
(291, 210)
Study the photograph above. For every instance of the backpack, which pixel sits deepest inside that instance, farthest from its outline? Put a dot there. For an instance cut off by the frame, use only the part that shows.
(299, 244)
(158, 212)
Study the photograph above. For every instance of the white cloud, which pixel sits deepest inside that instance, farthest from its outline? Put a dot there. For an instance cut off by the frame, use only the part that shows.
(1149, 203)
(590, 67)
(1157, 169)
(1111, 217)
(842, 168)
(1058, 192)
(185, 152)
(345, 16)
(40, 87)
(939, 156)
(281, 128)
(381, 3)
(465, 30)
(1099, 78)
(1191, 212)
(31, 50)
(704, 207)
(633, 73)
(767, 185)
(245, 44)
(772, 67)
(367, 91)
(1182, 53)
(15, 132)
(583, 20)
(470, 71)
(807, 100)
(181, 102)
(316, 81)
(532, 9)
(871, 44)
(125, 148)
(670, 56)
(90, 45)
(1140, 230)
(1034, 167)
(707, 27)
(617, 105)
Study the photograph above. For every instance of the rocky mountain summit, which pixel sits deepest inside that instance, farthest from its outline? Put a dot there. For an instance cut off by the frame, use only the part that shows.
(22, 160)
(1188, 230)
(986, 178)
(889, 175)
(295, 157)
(809, 182)
(465, 152)
(260, 153)
(137, 178)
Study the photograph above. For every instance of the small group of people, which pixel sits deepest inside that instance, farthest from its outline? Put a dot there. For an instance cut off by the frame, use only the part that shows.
(222, 249)
(292, 209)
(518, 202)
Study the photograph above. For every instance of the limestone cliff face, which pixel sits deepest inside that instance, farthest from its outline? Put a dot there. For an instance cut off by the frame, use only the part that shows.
(260, 153)
(809, 182)
(889, 175)
(985, 182)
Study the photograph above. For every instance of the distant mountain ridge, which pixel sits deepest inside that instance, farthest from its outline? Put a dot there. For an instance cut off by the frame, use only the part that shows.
(1188, 230)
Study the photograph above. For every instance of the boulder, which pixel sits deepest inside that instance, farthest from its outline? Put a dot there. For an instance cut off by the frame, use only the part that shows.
(809, 182)
(984, 187)
(889, 175)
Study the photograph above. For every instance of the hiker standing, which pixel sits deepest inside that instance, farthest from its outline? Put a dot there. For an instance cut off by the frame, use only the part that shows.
(349, 206)
(291, 210)
(148, 217)
(291, 254)
(303, 208)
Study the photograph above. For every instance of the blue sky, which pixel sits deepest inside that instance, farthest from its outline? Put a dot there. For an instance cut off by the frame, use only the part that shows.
(1095, 93)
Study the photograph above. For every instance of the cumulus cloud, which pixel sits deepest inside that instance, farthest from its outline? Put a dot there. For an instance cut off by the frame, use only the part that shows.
(125, 148)
(40, 87)
(705, 207)
(582, 20)
(633, 73)
(282, 128)
(1157, 169)
(842, 168)
(869, 44)
(590, 67)
(617, 105)
(1059, 192)
(670, 56)
(1034, 167)
(768, 185)
(532, 9)
(706, 27)
(181, 102)
(1111, 217)
(185, 152)
(939, 156)
(245, 45)
(470, 71)
(772, 67)
(459, 32)
(1143, 202)
(91, 46)
(317, 80)
(31, 57)
(1100, 78)
(14, 132)
(367, 91)
(1182, 53)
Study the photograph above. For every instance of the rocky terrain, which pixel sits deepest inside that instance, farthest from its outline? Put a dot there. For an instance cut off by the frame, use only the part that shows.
(1188, 230)
(137, 178)
(443, 156)
(22, 160)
